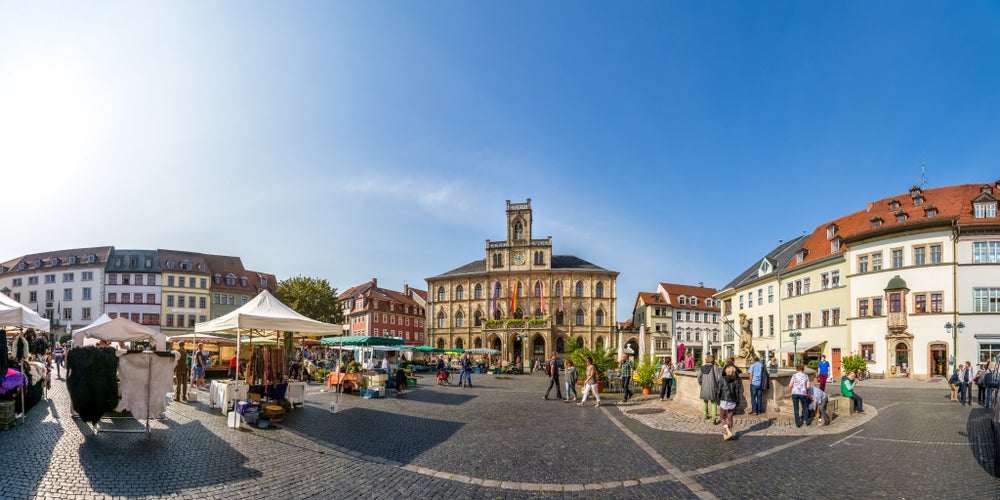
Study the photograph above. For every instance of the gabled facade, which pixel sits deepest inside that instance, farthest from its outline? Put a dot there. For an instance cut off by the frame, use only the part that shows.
(231, 285)
(380, 312)
(65, 286)
(133, 289)
(673, 316)
(756, 292)
(522, 299)
(185, 291)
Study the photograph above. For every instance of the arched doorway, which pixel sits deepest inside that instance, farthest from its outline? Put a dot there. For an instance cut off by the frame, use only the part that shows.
(599, 343)
(460, 344)
(516, 350)
(939, 360)
(538, 347)
(560, 345)
(441, 344)
(632, 345)
(901, 359)
(479, 343)
(496, 344)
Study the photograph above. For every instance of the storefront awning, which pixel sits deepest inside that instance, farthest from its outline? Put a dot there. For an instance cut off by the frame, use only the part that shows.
(803, 346)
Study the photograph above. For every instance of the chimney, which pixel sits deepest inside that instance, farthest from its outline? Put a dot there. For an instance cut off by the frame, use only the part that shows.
(374, 282)
(406, 289)
(701, 284)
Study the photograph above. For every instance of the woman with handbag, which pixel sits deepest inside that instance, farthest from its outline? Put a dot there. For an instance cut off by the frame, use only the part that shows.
(666, 377)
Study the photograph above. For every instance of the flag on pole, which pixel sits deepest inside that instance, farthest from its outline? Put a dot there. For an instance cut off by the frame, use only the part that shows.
(541, 293)
(513, 296)
(496, 291)
(559, 292)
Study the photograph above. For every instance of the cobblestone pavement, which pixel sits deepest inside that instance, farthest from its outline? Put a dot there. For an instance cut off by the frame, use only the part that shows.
(499, 439)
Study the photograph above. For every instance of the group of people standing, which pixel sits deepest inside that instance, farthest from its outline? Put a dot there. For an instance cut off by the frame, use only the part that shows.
(984, 377)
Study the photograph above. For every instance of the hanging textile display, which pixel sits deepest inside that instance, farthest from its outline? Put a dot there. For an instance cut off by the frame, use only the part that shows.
(92, 381)
(267, 366)
(145, 377)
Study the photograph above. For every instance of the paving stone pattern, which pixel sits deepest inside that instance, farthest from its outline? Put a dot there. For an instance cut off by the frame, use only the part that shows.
(499, 439)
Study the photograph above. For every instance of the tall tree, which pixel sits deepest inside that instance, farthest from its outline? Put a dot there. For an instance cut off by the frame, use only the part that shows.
(312, 297)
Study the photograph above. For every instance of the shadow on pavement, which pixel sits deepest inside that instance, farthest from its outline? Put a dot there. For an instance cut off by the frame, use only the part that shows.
(437, 397)
(982, 440)
(372, 432)
(26, 466)
(179, 458)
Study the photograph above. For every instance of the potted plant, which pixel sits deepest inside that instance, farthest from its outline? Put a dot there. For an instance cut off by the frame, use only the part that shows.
(645, 373)
(604, 360)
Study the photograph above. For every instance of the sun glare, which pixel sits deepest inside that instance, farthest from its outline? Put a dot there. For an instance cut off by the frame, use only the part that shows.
(46, 121)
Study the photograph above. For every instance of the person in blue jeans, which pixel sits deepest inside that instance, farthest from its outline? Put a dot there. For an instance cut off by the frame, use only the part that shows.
(824, 372)
(756, 391)
(466, 374)
(800, 399)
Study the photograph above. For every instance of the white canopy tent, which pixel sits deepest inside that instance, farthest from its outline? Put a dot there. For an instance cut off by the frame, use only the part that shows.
(13, 313)
(267, 316)
(119, 330)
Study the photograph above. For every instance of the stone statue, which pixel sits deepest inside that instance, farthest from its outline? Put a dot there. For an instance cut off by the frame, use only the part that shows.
(746, 352)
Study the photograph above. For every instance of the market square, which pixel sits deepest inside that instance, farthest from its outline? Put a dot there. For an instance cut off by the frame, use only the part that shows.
(499, 439)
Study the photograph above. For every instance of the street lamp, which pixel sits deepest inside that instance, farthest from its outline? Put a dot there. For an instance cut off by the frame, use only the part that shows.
(954, 330)
(795, 347)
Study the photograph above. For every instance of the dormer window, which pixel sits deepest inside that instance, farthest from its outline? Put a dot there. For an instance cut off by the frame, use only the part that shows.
(217, 279)
(243, 281)
(263, 281)
(682, 301)
(38, 263)
(831, 230)
(919, 200)
(91, 259)
(170, 264)
(21, 266)
(930, 211)
(694, 301)
(901, 216)
(201, 267)
(185, 265)
(894, 205)
(230, 280)
(801, 255)
(876, 222)
(72, 259)
(986, 210)
(53, 261)
(835, 245)
(118, 262)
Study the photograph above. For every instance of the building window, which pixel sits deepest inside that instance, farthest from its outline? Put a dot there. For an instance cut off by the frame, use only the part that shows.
(50, 278)
(441, 319)
(877, 261)
(113, 298)
(895, 302)
(760, 326)
(877, 306)
(770, 325)
(862, 264)
(920, 303)
(85, 313)
(32, 296)
(32, 280)
(459, 293)
(867, 352)
(170, 301)
(170, 281)
(986, 252)
(986, 210)
(986, 300)
(478, 291)
(599, 290)
(497, 260)
(824, 281)
(935, 254)
(760, 297)
(750, 299)
(897, 257)
(579, 289)
(181, 281)
(579, 317)
(863, 308)
(936, 302)
(919, 256)
(440, 294)
(201, 302)
(790, 322)
(599, 318)
(67, 277)
(741, 301)
(459, 319)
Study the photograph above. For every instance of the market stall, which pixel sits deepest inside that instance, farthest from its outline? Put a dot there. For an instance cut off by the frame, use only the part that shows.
(265, 370)
(102, 379)
(364, 347)
(22, 384)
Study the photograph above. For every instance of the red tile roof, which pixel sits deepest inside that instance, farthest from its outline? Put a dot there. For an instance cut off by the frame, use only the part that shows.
(700, 292)
(952, 203)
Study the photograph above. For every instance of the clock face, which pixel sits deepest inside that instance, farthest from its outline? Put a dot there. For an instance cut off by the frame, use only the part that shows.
(518, 258)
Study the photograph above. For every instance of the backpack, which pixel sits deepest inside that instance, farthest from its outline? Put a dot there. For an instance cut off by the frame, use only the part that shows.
(990, 378)
(548, 368)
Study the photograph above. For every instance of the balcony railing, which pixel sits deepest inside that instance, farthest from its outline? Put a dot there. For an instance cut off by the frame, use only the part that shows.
(517, 324)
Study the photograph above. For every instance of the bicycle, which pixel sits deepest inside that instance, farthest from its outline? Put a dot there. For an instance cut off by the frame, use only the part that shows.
(864, 375)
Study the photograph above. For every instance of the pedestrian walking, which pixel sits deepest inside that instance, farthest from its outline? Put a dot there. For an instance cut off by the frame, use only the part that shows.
(978, 379)
(465, 376)
(181, 374)
(198, 367)
(553, 371)
(625, 369)
(57, 355)
(799, 386)
(710, 380)
(757, 373)
(729, 396)
(954, 384)
(590, 384)
(824, 372)
(818, 402)
(666, 377)
(990, 382)
(570, 377)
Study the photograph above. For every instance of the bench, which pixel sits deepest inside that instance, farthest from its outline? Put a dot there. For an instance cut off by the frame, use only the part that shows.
(840, 405)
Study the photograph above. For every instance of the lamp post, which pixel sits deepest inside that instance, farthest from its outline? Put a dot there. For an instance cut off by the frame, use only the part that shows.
(795, 347)
(954, 331)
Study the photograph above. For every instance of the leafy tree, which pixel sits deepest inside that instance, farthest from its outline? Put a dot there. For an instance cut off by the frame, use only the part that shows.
(604, 359)
(645, 372)
(66, 337)
(854, 364)
(311, 297)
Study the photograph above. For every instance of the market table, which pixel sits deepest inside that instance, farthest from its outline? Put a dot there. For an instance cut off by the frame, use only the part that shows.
(221, 393)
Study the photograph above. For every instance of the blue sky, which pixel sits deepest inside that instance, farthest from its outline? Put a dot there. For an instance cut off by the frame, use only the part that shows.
(669, 141)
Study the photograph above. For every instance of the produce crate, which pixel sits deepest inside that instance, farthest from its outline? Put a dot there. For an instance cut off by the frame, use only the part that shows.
(377, 380)
(371, 393)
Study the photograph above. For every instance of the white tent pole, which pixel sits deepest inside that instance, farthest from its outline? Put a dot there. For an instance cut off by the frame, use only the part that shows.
(239, 340)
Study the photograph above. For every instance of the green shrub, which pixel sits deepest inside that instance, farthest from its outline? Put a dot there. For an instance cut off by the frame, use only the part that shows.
(854, 364)
(814, 364)
(645, 372)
